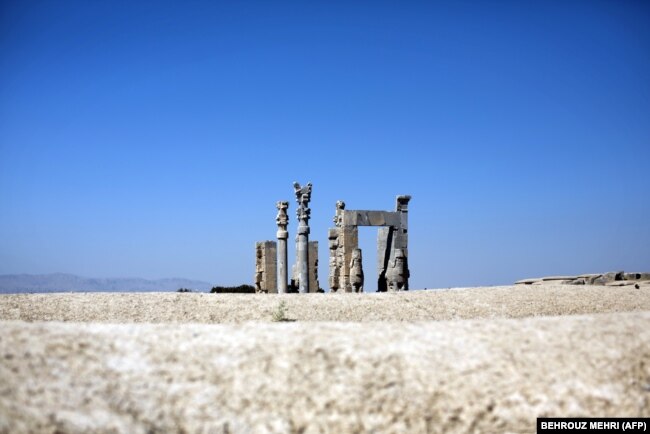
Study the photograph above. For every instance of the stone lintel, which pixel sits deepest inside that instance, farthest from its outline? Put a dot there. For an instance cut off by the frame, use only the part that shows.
(371, 218)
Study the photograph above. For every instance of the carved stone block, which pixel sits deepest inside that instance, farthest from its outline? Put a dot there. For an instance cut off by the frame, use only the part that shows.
(356, 271)
(265, 267)
(334, 269)
(397, 274)
(313, 266)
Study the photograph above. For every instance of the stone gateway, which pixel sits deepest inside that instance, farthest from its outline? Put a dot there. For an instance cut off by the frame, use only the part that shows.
(392, 247)
(346, 272)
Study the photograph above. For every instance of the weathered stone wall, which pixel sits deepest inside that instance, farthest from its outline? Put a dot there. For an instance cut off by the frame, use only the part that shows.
(384, 247)
(348, 242)
(314, 285)
(399, 251)
(266, 277)
(334, 272)
(371, 218)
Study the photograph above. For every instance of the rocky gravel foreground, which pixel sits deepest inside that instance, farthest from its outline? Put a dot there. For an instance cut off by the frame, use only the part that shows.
(388, 377)
(466, 360)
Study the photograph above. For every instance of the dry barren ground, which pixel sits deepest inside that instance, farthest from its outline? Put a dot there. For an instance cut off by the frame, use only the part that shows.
(363, 363)
(470, 303)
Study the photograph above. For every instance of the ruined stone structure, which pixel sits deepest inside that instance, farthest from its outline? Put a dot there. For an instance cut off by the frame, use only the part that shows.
(334, 266)
(312, 248)
(397, 273)
(303, 197)
(392, 247)
(271, 264)
(314, 285)
(356, 271)
(613, 278)
(346, 272)
(265, 267)
(282, 221)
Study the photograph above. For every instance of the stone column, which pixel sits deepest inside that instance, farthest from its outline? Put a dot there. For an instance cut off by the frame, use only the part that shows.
(333, 238)
(282, 220)
(401, 240)
(384, 248)
(303, 196)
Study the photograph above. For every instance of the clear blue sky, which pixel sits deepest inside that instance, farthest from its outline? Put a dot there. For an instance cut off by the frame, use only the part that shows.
(153, 139)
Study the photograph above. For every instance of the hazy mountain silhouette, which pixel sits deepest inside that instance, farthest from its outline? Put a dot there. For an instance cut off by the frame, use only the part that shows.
(61, 282)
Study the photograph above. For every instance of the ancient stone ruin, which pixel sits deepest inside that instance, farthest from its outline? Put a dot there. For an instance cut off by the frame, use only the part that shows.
(303, 197)
(345, 262)
(282, 221)
(312, 270)
(271, 263)
(356, 271)
(618, 278)
(345, 273)
(265, 268)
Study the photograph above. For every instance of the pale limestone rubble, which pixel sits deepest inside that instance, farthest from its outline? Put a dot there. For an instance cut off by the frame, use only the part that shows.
(462, 376)
(614, 278)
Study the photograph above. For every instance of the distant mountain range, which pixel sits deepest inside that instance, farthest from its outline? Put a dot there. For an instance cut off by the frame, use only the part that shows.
(60, 282)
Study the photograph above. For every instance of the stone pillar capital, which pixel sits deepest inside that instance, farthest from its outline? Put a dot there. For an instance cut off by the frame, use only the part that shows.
(402, 203)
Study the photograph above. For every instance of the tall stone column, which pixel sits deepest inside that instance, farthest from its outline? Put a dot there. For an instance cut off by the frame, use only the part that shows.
(303, 196)
(401, 241)
(282, 220)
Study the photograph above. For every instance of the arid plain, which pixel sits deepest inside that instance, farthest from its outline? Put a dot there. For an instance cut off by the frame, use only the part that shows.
(463, 360)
